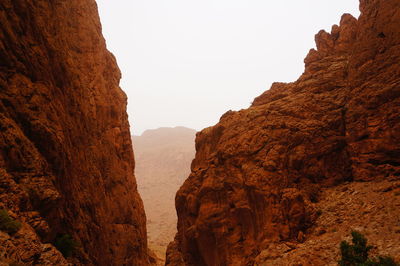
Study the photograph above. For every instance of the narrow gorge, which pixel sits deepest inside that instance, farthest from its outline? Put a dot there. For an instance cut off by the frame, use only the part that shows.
(280, 183)
(163, 158)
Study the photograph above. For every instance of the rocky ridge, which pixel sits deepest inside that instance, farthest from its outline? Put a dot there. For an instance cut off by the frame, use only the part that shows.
(66, 160)
(258, 173)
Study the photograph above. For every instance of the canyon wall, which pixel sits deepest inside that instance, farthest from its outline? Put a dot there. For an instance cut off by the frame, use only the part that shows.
(257, 175)
(66, 160)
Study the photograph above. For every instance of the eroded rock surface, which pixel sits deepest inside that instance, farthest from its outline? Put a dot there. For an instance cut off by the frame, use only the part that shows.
(259, 171)
(368, 207)
(66, 160)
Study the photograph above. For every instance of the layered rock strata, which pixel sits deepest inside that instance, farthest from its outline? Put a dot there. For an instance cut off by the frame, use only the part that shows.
(66, 160)
(258, 173)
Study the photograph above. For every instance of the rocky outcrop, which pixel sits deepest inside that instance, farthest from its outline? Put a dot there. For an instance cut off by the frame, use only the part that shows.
(66, 160)
(257, 174)
(368, 207)
(163, 157)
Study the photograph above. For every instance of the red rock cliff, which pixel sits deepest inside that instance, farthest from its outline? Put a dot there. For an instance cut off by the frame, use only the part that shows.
(66, 160)
(257, 173)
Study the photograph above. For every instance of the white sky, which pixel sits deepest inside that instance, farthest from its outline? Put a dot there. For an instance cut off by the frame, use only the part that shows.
(186, 62)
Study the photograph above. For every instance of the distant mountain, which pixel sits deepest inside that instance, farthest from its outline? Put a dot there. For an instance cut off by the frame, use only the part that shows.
(163, 157)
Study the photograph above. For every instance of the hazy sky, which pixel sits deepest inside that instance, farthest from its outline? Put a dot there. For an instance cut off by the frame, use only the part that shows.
(186, 62)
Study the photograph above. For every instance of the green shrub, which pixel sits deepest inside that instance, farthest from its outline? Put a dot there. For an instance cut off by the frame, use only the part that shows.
(8, 224)
(66, 245)
(356, 254)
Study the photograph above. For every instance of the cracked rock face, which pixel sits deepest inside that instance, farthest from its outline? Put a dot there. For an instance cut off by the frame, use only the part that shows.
(66, 160)
(368, 207)
(258, 172)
